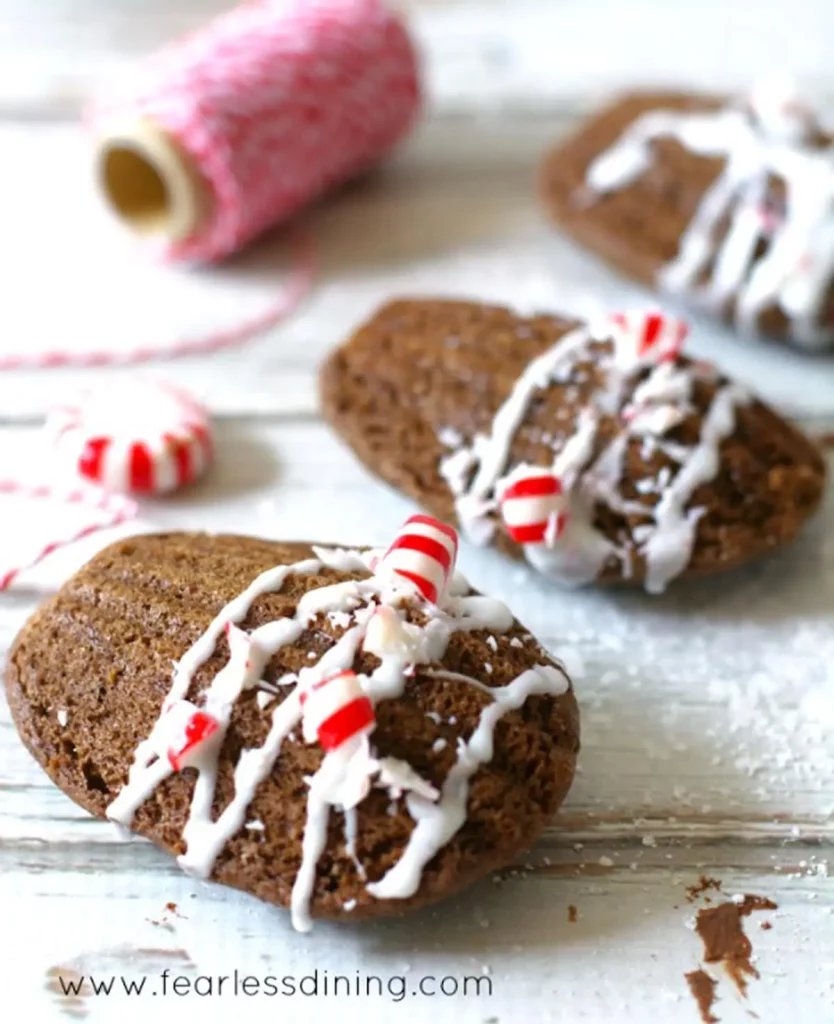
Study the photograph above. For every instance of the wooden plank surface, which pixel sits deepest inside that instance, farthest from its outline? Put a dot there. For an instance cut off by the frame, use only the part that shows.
(708, 716)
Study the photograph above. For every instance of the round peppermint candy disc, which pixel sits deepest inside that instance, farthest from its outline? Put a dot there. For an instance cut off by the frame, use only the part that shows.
(139, 437)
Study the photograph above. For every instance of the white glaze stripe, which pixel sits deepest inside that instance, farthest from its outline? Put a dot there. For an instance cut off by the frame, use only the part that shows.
(346, 774)
(438, 822)
(659, 403)
(797, 267)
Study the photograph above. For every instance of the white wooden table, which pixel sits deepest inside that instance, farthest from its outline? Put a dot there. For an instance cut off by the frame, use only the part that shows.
(708, 716)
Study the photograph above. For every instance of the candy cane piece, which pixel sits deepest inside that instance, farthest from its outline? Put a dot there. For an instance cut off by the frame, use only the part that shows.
(652, 420)
(385, 634)
(336, 710)
(647, 338)
(534, 508)
(424, 552)
(187, 731)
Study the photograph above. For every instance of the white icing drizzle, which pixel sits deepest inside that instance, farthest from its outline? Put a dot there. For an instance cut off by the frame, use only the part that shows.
(658, 403)
(796, 270)
(346, 774)
(437, 822)
(668, 548)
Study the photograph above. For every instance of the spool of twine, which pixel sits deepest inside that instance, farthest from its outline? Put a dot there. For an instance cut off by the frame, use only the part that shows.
(252, 118)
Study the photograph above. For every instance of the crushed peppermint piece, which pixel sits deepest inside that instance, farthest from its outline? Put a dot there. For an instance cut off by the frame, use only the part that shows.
(516, 642)
(348, 905)
(487, 668)
(439, 745)
(434, 716)
(63, 718)
(492, 642)
(450, 437)
(606, 862)
(256, 825)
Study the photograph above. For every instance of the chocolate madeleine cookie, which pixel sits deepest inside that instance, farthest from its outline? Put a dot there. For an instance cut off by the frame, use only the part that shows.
(328, 739)
(727, 203)
(599, 453)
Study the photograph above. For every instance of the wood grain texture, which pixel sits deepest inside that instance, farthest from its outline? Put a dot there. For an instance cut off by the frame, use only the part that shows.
(708, 718)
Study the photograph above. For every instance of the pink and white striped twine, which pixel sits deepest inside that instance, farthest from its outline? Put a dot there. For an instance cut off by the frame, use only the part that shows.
(274, 107)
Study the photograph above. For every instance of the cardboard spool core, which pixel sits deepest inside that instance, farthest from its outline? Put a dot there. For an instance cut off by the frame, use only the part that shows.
(150, 184)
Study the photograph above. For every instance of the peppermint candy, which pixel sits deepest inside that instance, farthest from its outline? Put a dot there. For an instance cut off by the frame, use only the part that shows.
(336, 710)
(653, 420)
(424, 553)
(534, 507)
(385, 634)
(140, 438)
(187, 733)
(647, 338)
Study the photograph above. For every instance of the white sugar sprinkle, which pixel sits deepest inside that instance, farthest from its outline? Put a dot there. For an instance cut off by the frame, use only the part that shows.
(439, 745)
(340, 619)
(487, 667)
(450, 437)
(348, 905)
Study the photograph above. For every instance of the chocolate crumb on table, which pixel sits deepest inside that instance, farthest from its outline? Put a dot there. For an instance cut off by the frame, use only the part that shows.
(703, 885)
(703, 986)
(573, 914)
(724, 938)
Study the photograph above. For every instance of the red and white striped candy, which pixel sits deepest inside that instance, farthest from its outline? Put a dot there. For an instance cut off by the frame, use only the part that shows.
(424, 553)
(648, 337)
(335, 710)
(140, 437)
(186, 731)
(534, 508)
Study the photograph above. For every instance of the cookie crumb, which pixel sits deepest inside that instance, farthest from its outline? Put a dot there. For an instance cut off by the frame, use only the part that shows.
(704, 884)
(724, 939)
(702, 987)
(573, 915)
